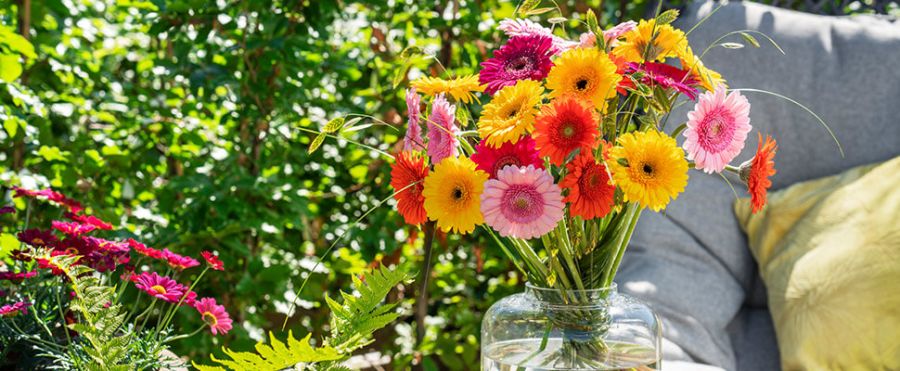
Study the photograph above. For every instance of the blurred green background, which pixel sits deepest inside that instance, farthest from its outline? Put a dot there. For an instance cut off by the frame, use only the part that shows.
(187, 122)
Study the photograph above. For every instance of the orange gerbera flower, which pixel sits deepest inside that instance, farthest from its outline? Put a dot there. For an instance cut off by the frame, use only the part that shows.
(407, 178)
(591, 193)
(564, 126)
(757, 171)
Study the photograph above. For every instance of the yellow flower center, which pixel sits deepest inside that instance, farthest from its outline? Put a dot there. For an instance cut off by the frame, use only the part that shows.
(210, 319)
(159, 289)
(38, 241)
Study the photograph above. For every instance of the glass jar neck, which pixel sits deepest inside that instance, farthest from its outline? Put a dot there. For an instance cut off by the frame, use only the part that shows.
(557, 298)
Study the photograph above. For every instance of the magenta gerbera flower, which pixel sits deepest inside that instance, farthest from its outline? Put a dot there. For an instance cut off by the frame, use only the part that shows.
(52, 196)
(521, 153)
(522, 202)
(716, 129)
(37, 238)
(523, 57)
(72, 228)
(179, 262)
(666, 76)
(214, 316)
(413, 139)
(213, 260)
(90, 220)
(7, 210)
(16, 277)
(145, 250)
(13, 309)
(442, 130)
(160, 287)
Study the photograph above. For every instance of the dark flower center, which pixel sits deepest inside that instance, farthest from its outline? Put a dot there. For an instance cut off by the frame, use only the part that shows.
(504, 162)
(581, 84)
(567, 130)
(648, 169)
(458, 193)
(518, 65)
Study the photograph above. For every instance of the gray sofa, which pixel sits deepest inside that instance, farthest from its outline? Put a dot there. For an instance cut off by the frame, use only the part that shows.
(691, 262)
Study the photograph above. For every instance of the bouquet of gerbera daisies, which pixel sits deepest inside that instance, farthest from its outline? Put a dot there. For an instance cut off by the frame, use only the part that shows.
(71, 300)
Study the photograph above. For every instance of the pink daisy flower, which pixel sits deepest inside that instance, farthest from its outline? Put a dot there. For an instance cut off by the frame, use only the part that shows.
(522, 202)
(90, 220)
(145, 250)
(10, 310)
(160, 287)
(716, 129)
(521, 58)
(179, 262)
(442, 130)
(413, 139)
(16, 277)
(72, 228)
(52, 196)
(214, 315)
(492, 160)
(666, 76)
(213, 260)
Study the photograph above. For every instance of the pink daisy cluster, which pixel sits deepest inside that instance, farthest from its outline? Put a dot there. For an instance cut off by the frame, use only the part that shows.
(9, 310)
(522, 202)
(52, 196)
(16, 277)
(717, 129)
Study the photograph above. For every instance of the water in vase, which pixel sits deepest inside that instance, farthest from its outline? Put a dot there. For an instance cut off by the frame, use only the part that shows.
(528, 355)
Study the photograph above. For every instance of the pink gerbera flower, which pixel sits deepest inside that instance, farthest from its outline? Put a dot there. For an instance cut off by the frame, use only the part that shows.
(716, 129)
(521, 153)
(521, 58)
(618, 30)
(7, 210)
(527, 27)
(52, 196)
(442, 130)
(72, 228)
(214, 315)
(145, 250)
(666, 76)
(160, 287)
(413, 139)
(16, 277)
(90, 220)
(37, 238)
(522, 202)
(10, 310)
(179, 262)
(213, 260)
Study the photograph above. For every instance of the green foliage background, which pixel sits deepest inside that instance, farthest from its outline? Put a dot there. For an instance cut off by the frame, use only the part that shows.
(186, 122)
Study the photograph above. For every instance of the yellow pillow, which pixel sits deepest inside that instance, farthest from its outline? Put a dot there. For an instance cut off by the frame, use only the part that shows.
(829, 253)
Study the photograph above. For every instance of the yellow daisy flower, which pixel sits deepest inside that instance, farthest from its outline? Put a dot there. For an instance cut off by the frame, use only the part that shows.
(453, 194)
(586, 73)
(649, 168)
(460, 88)
(709, 79)
(667, 43)
(510, 113)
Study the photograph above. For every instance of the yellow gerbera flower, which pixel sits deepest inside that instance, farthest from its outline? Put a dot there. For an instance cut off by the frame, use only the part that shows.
(667, 43)
(460, 88)
(649, 168)
(709, 79)
(586, 73)
(510, 113)
(453, 194)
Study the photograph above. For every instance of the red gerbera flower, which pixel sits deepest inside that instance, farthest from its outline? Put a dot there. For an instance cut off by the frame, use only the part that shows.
(179, 262)
(591, 194)
(37, 238)
(213, 260)
(757, 171)
(90, 220)
(521, 153)
(214, 315)
(160, 287)
(47, 264)
(407, 178)
(16, 277)
(564, 126)
(72, 228)
(144, 250)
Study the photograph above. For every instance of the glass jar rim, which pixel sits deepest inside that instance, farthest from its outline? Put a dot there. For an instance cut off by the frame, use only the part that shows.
(553, 297)
(612, 288)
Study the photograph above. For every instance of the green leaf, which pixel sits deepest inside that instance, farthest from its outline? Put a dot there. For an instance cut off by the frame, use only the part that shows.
(53, 154)
(275, 356)
(11, 126)
(410, 51)
(16, 43)
(591, 20)
(526, 6)
(556, 20)
(8, 242)
(667, 17)
(10, 67)
(750, 39)
(539, 11)
(334, 125)
(316, 143)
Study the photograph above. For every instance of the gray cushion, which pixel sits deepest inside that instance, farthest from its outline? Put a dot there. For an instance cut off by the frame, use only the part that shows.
(691, 263)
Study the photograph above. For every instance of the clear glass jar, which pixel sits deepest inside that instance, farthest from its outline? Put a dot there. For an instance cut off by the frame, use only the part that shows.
(550, 329)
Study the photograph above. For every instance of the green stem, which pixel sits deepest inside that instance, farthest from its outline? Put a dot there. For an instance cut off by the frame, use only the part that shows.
(624, 239)
(179, 337)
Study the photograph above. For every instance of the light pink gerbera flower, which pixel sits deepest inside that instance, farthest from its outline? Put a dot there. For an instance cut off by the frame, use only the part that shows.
(522, 202)
(527, 27)
(160, 287)
(213, 315)
(442, 130)
(413, 139)
(588, 39)
(717, 129)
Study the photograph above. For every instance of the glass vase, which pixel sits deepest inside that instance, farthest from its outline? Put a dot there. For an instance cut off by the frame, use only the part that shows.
(550, 329)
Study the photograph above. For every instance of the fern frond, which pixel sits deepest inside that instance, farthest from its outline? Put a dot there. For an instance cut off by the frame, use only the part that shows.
(275, 356)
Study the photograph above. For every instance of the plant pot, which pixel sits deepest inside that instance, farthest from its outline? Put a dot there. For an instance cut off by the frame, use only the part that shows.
(550, 329)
